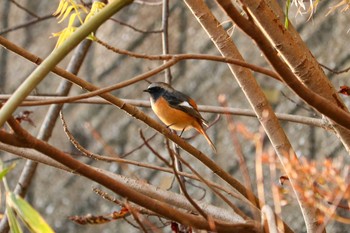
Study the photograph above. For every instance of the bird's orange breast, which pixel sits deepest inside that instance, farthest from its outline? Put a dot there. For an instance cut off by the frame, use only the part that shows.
(172, 117)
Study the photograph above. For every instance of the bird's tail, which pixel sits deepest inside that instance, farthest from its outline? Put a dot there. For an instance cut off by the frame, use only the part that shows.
(202, 131)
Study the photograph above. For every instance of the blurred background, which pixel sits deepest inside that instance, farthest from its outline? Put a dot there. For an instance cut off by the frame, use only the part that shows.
(57, 194)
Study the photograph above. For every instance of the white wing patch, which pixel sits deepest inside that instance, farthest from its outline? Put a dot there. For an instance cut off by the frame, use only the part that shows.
(185, 104)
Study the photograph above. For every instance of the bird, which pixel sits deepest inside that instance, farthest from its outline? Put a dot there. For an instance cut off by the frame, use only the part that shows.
(176, 110)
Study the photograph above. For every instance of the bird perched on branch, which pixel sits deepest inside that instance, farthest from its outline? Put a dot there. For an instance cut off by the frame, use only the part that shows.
(177, 110)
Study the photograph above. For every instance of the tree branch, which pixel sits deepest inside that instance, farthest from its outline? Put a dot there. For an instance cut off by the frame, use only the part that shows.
(56, 56)
(299, 68)
(79, 99)
(245, 79)
(24, 138)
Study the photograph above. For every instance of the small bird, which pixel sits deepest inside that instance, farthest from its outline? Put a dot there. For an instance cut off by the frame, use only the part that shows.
(177, 110)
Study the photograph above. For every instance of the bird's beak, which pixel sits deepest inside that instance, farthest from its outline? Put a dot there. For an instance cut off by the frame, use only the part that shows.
(146, 90)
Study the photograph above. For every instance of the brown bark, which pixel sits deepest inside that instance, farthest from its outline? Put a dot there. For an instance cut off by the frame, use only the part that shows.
(261, 38)
(24, 139)
(245, 79)
(267, 16)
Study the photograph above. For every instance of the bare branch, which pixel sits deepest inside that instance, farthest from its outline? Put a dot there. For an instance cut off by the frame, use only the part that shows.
(134, 28)
(208, 57)
(46, 100)
(336, 71)
(25, 9)
(24, 25)
(133, 111)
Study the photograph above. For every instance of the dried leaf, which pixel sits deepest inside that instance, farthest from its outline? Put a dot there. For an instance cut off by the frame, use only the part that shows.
(89, 219)
(121, 214)
(345, 90)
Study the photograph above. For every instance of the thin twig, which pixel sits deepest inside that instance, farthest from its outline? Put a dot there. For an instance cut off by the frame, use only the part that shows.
(197, 175)
(239, 152)
(149, 2)
(297, 104)
(31, 22)
(208, 57)
(98, 138)
(25, 9)
(107, 180)
(106, 196)
(48, 124)
(136, 216)
(165, 38)
(138, 147)
(209, 184)
(40, 158)
(134, 28)
(153, 150)
(114, 200)
(47, 100)
(138, 115)
(182, 185)
(335, 71)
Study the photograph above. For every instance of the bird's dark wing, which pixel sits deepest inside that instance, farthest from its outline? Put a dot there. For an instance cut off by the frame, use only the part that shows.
(184, 103)
(174, 98)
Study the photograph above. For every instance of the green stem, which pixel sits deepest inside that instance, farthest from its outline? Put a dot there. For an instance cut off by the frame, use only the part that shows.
(287, 14)
(56, 56)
